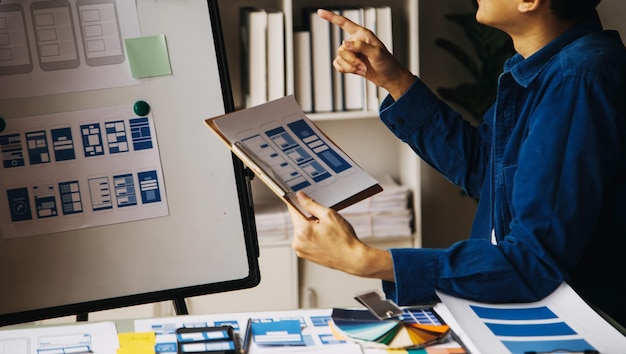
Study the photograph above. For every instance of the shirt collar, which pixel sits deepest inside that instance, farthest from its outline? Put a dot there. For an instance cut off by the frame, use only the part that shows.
(524, 71)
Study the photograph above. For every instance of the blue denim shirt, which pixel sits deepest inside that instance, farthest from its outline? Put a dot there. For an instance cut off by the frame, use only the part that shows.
(549, 168)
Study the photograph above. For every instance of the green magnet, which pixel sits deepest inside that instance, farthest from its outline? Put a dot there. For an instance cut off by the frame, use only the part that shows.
(3, 124)
(141, 108)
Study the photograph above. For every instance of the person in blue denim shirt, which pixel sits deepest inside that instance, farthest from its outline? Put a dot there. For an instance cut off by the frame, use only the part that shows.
(548, 166)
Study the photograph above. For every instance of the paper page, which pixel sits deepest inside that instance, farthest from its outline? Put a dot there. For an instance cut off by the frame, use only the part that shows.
(87, 338)
(106, 170)
(560, 321)
(50, 47)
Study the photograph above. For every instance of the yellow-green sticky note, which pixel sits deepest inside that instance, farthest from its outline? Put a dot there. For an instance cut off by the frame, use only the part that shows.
(148, 56)
(136, 343)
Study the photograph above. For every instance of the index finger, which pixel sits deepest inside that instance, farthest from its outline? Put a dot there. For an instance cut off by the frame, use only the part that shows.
(339, 20)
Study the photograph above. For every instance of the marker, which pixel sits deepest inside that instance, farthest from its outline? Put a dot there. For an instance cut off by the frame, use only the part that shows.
(588, 351)
(247, 337)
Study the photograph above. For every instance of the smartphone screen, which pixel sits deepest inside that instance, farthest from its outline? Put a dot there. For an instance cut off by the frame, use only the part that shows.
(55, 35)
(100, 29)
(15, 55)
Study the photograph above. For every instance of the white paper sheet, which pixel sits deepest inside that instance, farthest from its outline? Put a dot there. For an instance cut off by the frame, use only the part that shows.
(72, 170)
(49, 47)
(562, 320)
(98, 338)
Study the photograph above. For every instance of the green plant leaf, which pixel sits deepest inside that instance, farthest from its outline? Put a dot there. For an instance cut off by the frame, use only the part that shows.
(486, 41)
(492, 48)
(475, 98)
(461, 56)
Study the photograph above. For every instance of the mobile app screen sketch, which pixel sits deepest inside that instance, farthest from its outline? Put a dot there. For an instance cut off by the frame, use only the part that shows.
(297, 154)
(54, 34)
(99, 25)
(14, 47)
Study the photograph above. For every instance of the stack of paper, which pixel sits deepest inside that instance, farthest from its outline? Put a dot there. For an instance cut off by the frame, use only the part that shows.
(272, 220)
(387, 224)
(385, 214)
(415, 328)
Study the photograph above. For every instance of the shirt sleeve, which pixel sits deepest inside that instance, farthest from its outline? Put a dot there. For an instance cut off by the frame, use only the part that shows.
(440, 136)
(473, 269)
(444, 140)
(553, 187)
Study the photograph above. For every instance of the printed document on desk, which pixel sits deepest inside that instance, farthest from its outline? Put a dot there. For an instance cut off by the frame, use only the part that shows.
(289, 153)
(315, 332)
(85, 338)
(560, 323)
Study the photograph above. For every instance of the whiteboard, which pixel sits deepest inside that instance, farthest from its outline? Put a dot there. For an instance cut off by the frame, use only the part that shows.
(190, 235)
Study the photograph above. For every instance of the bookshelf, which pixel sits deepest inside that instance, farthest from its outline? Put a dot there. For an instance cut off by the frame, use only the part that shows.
(287, 282)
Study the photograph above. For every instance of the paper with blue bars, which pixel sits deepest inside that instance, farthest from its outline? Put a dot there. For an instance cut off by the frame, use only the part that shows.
(560, 323)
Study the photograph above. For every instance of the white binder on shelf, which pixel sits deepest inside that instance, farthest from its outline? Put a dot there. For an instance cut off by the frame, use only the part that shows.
(275, 54)
(321, 61)
(254, 55)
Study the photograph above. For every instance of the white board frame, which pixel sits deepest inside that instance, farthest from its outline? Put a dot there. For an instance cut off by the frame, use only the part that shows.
(207, 244)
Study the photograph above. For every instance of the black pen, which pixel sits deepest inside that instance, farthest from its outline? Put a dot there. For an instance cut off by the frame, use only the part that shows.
(247, 337)
(588, 351)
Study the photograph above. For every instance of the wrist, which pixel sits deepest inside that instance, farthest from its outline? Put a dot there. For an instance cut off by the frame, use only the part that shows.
(374, 263)
(401, 84)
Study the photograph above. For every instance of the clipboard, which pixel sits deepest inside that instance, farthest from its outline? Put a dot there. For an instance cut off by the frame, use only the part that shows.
(288, 152)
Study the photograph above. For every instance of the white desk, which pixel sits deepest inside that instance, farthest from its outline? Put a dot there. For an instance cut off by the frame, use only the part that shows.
(493, 328)
(102, 336)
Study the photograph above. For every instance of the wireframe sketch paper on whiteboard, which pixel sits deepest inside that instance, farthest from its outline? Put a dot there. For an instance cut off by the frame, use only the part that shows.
(287, 151)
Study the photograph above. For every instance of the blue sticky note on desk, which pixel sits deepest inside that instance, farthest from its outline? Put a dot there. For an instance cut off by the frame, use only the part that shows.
(148, 56)
(277, 333)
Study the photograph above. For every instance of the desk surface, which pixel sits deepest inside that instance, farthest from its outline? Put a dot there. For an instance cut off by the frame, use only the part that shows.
(315, 330)
(568, 311)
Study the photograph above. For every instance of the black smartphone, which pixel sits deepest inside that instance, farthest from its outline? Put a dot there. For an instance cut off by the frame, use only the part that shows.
(213, 340)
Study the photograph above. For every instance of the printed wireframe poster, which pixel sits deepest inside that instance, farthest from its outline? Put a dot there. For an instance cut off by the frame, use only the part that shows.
(49, 47)
(73, 170)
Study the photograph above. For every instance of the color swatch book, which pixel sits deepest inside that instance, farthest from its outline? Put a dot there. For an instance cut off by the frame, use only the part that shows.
(414, 328)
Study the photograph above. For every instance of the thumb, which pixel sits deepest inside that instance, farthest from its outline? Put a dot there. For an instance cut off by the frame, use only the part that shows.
(313, 207)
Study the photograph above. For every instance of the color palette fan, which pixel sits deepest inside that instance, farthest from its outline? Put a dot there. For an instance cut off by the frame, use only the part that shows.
(414, 328)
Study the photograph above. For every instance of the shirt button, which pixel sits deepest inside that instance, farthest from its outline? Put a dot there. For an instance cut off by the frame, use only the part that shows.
(400, 121)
